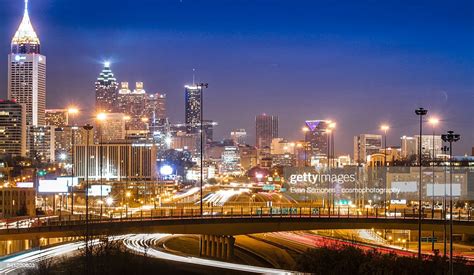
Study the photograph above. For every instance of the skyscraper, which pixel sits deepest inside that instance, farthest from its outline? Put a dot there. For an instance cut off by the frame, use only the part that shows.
(238, 136)
(317, 138)
(57, 117)
(12, 128)
(192, 107)
(266, 130)
(143, 110)
(105, 90)
(366, 145)
(27, 72)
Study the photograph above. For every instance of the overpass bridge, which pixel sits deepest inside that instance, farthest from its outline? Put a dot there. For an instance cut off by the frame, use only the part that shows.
(224, 221)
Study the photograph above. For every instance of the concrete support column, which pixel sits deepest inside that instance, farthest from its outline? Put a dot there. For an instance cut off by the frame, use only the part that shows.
(208, 246)
(219, 247)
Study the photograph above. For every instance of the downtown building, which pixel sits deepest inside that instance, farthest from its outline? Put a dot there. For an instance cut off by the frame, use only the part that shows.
(266, 127)
(120, 161)
(12, 129)
(27, 86)
(27, 72)
(316, 140)
(144, 111)
(192, 108)
(57, 117)
(366, 145)
(105, 90)
(238, 136)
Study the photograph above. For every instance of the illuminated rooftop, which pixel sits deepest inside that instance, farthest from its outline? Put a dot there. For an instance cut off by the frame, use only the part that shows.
(25, 39)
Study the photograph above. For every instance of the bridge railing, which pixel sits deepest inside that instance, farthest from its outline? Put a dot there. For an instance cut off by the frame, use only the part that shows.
(248, 212)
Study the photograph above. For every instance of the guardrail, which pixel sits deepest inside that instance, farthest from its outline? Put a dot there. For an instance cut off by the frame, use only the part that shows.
(240, 212)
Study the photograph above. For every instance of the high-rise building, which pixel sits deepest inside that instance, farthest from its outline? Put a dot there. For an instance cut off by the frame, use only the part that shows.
(230, 160)
(41, 143)
(143, 110)
(120, 161)
(316, 138)
(111, 128)
(238, 136)
(27, 72)
(408, 147)
(155, 109)
(12, 128)
(266, 130)
(57, 117)
(208, 126)
(192, 108)
(106, 90)
(427, 148)
(366, 145)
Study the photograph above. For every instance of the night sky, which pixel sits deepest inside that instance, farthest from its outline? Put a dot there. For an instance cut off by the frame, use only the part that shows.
(360, 63)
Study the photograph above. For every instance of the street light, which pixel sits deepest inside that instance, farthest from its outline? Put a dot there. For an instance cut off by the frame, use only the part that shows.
(451, 137)
(101, 117)
(305, 145)
(201, 120)
(72, 111)
(433, 121)
(420, 112)
(385, 129)
(88, 128)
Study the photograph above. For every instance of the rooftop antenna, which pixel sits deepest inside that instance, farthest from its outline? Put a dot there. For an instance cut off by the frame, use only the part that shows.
(194, 70)
(26, 5)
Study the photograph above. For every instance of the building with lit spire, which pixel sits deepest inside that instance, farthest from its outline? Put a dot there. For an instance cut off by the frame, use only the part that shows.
(27, 72)
(106, 90)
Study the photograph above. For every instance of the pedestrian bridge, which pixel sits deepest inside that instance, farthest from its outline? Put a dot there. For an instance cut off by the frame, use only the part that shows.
(229, 222)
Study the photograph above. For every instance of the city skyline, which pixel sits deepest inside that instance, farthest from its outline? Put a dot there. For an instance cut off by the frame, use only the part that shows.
(448, 96)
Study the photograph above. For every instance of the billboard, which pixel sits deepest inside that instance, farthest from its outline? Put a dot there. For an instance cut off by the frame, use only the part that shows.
(52, 186)
(441, 189)
(24, 184)
(94, 190)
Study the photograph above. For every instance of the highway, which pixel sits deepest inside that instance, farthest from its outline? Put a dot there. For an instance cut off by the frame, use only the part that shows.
(139, 243)
(142, 243)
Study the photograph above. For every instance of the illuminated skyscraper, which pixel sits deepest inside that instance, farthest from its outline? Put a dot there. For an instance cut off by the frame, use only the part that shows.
(366, 145)
(192, 108)
(142, 109)
(317, 138)
(105, 90)
(238, 136)
(57, 117)
(12, 129)
(266, 130)
(27, 72)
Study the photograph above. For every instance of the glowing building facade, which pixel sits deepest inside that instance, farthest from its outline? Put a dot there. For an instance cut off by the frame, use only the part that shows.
(106, 90)
(192, 107)
(27, 72)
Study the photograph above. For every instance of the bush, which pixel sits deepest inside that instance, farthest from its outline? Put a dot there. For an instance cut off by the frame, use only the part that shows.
(352, 260)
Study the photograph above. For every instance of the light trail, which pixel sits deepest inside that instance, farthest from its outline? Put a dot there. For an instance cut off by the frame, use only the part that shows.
(13, 265)
(140, 244)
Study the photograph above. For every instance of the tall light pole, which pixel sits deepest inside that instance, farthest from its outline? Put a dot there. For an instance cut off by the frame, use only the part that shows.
(101, 117)
(72, 111)
(88, 128)
(201, 120)
(420, 112)
(451, 137)
(126, 118)
(332, 127)
(445, 150)
(385, 129)
(433, 121)
(328, 133)
(305, 145)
